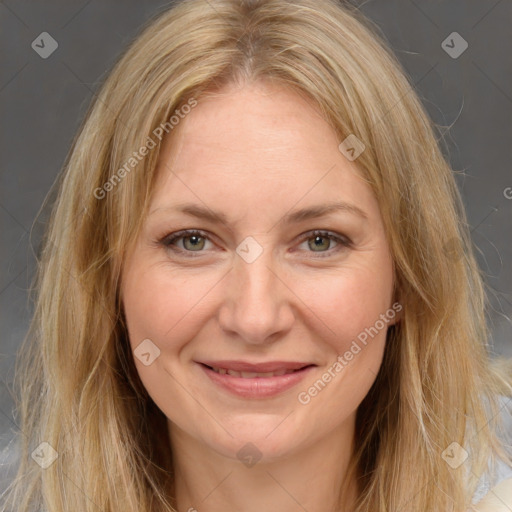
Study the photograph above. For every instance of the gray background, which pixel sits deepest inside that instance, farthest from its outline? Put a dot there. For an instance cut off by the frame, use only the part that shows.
(43, 100)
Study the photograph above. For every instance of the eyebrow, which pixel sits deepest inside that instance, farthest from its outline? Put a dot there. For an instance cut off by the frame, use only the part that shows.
(312, 212)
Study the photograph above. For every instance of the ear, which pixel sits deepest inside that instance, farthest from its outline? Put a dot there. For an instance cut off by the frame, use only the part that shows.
(397, 302)
(395, 313)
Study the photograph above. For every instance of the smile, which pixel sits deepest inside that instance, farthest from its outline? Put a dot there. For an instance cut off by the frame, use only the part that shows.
(245, 383)
(251, 375)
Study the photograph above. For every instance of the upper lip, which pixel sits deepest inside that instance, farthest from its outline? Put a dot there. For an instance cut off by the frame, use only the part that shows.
(244, 366)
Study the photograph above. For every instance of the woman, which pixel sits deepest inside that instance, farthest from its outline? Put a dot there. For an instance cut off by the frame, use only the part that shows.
(257, 135)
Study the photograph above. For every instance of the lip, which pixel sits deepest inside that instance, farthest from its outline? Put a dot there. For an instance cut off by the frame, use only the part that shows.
(257, 387)
(244, 366)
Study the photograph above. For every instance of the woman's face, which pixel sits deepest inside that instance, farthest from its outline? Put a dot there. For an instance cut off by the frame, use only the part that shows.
(259, 287)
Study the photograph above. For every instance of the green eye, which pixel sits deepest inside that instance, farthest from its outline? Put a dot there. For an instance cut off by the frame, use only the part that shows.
(194, 242)
(320, 240)
(197, 240)
(317, 243)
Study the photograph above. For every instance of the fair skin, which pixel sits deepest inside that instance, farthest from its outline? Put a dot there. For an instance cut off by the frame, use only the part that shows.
(256, 153)
(499, 499)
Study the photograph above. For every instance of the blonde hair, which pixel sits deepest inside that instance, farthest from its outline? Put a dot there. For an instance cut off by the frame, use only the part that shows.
(78, 386)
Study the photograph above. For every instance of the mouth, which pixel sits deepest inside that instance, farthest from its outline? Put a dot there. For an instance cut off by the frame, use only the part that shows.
(252, 375)
(262, 380)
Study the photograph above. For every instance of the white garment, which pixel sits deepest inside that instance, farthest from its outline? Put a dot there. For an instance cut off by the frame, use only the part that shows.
(499, 499)
(501, 471)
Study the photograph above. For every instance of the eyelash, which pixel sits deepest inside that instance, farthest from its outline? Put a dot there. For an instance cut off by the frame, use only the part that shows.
(168, 240)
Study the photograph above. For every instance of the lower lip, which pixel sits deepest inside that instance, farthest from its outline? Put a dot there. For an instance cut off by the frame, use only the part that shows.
(257, 387)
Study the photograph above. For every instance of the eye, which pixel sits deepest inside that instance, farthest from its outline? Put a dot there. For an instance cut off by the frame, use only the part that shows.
(318, 240)
(194, 241)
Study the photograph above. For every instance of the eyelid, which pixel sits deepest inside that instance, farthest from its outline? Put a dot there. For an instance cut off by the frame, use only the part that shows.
(167, 240)
(342, 240)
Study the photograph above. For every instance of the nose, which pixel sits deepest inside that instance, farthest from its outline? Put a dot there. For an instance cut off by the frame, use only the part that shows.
(258, 305)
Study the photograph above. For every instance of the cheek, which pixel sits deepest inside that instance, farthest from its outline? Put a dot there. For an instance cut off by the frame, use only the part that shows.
(158, 302)
(164, 307)
(355, 308)
(348, 302)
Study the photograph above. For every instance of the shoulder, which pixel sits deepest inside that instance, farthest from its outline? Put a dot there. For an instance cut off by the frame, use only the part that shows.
(498, 499)
(495, 486)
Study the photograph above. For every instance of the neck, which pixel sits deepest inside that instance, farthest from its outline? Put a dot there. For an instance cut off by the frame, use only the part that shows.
(309, 479)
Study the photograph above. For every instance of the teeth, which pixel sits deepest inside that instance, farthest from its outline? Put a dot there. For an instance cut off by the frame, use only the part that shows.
(251, 375)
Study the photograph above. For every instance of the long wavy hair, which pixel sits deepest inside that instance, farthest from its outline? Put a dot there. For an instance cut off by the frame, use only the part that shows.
(76, 385)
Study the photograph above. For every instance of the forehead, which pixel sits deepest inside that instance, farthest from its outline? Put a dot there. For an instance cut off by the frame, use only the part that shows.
(255, 146)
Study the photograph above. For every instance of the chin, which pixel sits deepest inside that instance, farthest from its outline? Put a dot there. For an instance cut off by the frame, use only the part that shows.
(261, 437)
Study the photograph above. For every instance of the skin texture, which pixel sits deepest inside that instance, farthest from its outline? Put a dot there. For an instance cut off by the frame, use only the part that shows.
(256, 153)
(499, 499)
